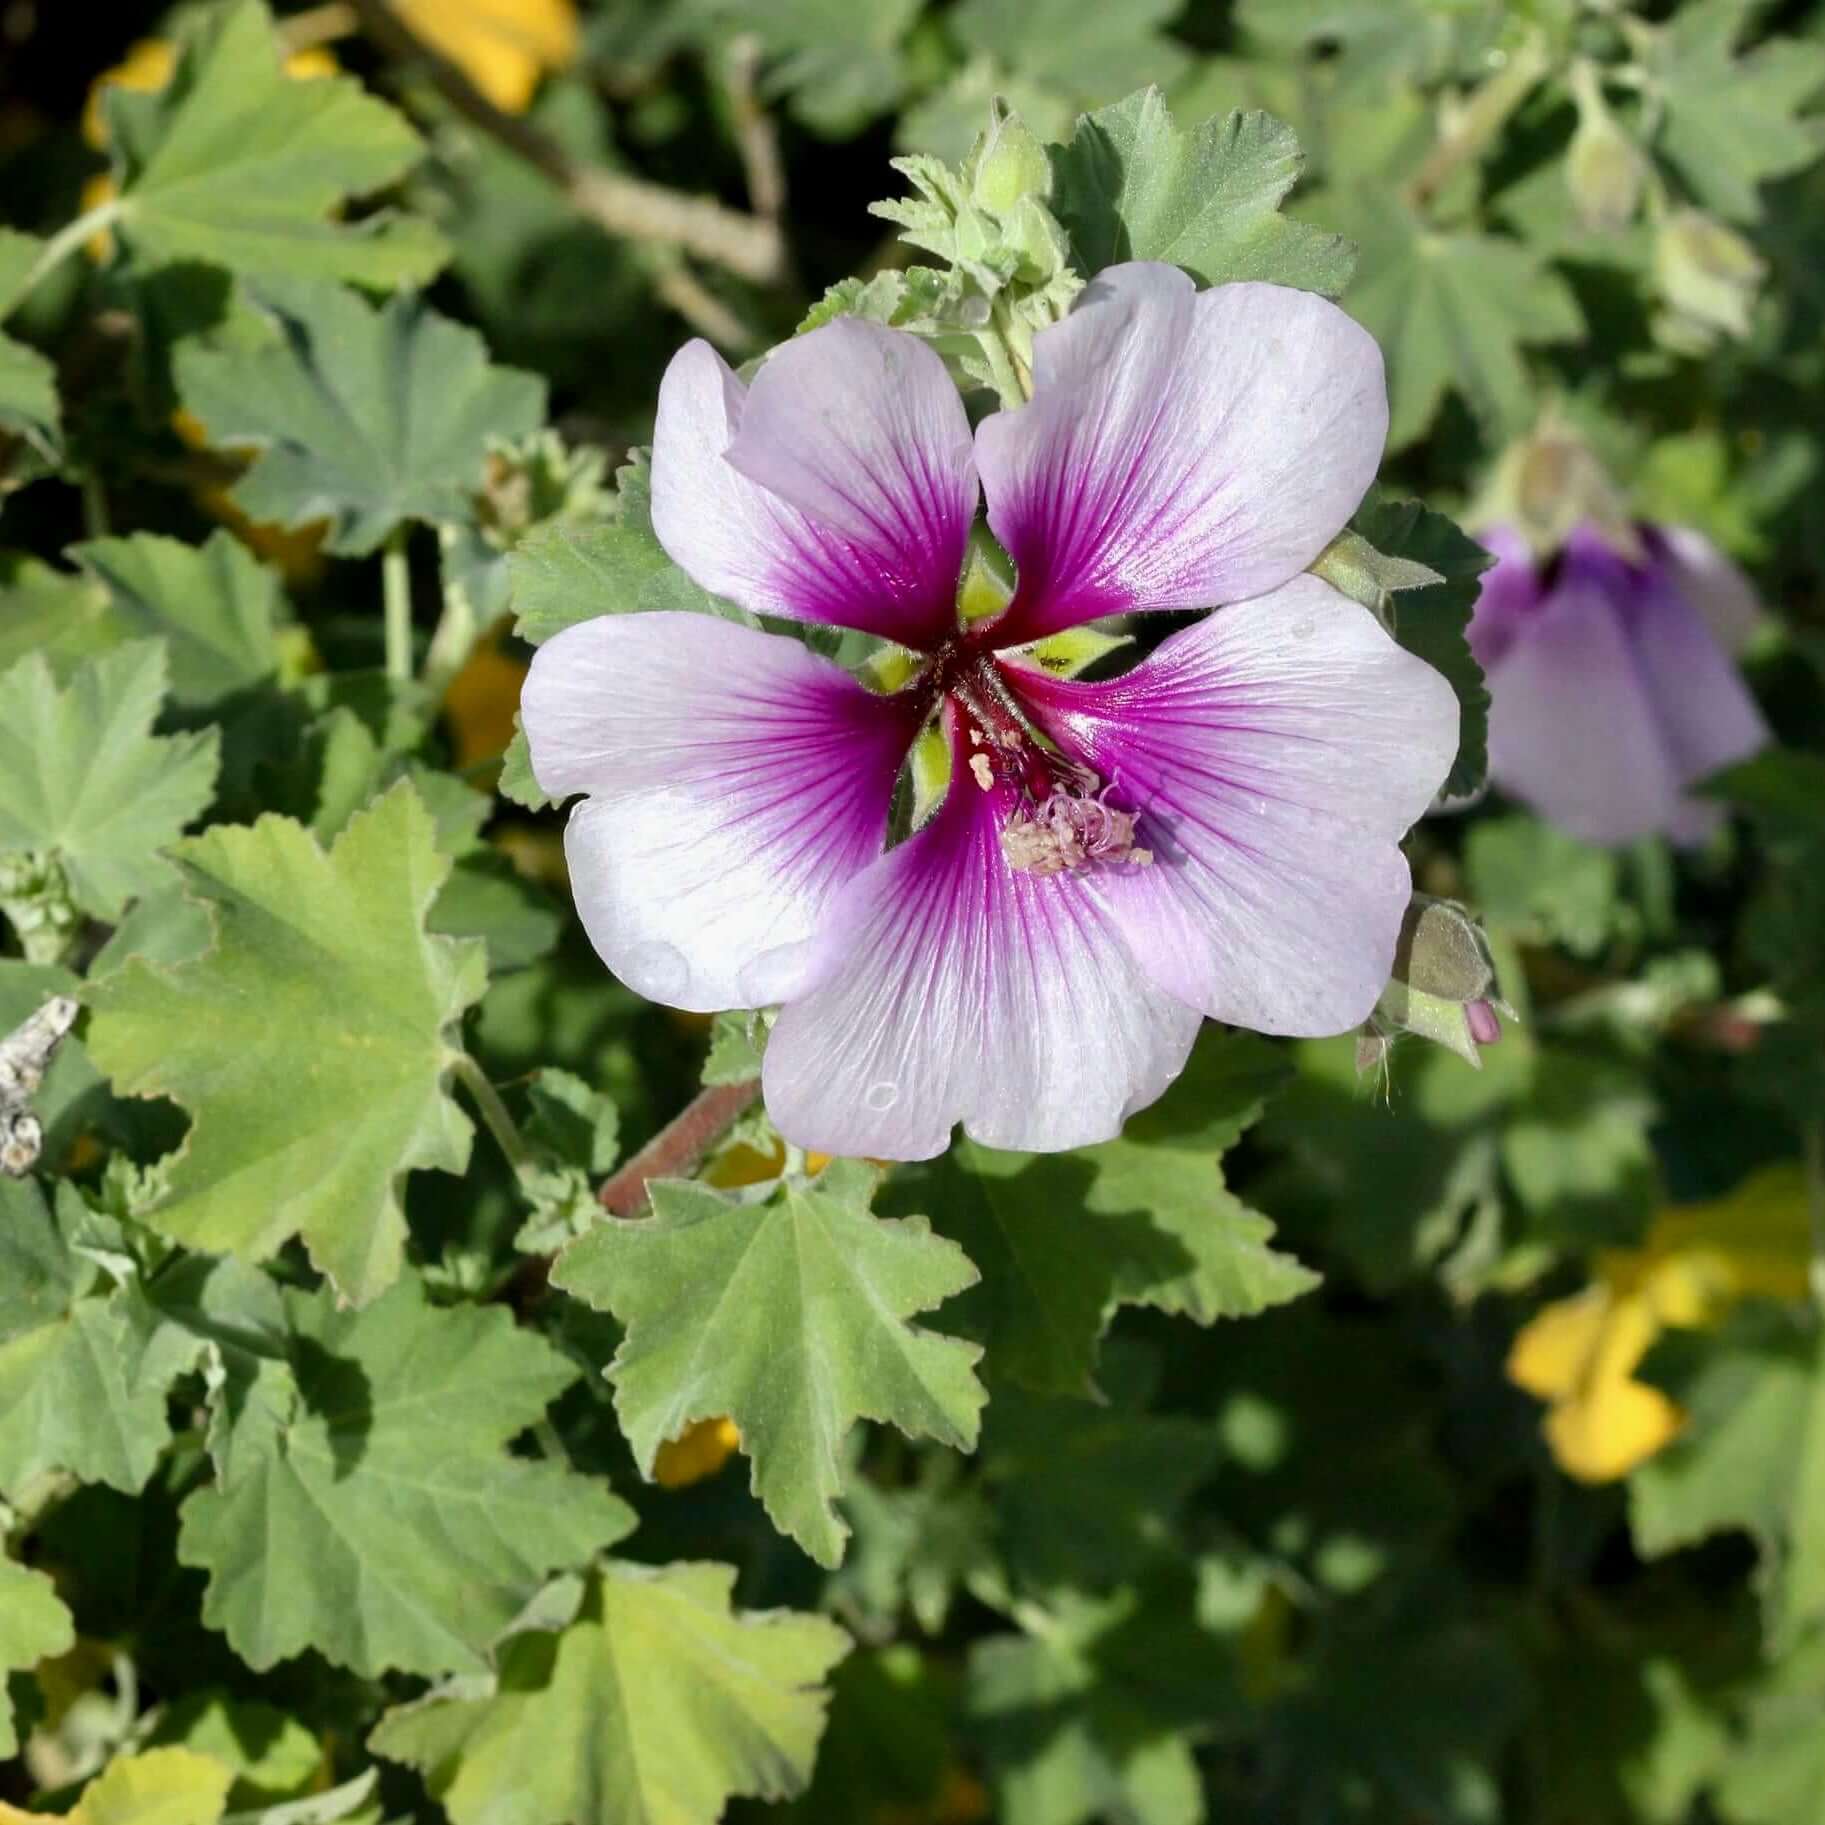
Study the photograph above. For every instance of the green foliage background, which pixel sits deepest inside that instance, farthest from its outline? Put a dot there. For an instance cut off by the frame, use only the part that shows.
(1173, 1479)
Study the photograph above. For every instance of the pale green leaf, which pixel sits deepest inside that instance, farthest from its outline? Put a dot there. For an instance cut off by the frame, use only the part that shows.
(273, 1757)
(34, 1625)
(1774, 1773)
(364, 415)
(788, 1317)
(83, 778)
(1453, 310)
(215, 605)
(310, 1047)
(1083, 52)
(1132, 185)
(157, 1787)
(67, 1399)
(28, 382)
(1751, 1457)
(655, 1705)
(1431, 620)
(61, 614)
(1732, 123)
(1526, 874)
(1062, 1240)
(365, 1503)
(235, 164)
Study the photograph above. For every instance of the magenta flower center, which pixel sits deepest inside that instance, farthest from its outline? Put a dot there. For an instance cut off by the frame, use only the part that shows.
(1059, 817)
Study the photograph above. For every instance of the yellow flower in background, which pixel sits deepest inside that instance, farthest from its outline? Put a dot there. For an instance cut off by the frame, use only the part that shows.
(1580, 1354)
(698, 1452)
(502, 46)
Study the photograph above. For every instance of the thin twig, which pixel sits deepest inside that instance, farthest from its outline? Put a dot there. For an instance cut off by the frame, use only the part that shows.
(700, 307)
(756, 138)
(679, 1145)
(628, 206)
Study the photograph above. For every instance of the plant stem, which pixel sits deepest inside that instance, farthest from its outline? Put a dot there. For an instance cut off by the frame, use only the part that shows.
(623, 205)
(679, 1145)
(1814, 1140)
(396, 599)
(1480, 119)
(58, 248)
(493, 1111)
(317, 25)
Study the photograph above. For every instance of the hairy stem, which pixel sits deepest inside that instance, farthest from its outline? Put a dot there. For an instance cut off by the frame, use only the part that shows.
(58, 248)
(493, 1111)
(396, 602)
(679, 1145)
(1480, 119)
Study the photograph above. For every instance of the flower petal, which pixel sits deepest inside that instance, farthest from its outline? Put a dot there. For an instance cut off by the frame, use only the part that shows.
(736, 782)
(951, 988)
(1572, 730)
(838, 488)
(1275, 754)
(1713, 585)
(1183, 448)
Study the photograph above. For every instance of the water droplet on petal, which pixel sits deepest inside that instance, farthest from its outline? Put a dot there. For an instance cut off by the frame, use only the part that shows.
(1303, 630)
(657, 970)
(881, 1096)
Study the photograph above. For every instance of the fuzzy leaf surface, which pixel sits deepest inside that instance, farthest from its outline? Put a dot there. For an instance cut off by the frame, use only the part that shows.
(365, 1503)
(364, 415)
(790, 1318)
(83, 777)
(310, 1046)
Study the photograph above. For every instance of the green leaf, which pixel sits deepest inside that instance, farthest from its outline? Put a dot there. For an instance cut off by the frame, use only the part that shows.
(789, 1318)
(67, 1399)
(1132, 185)
(34, 1625)
(653, 1706)
(235, 164)
(1732, 122)
(28, 382)
(571, 1123)
(156, 1787)
(272, 1757)
(365, 416)
(1062, 1240)
(1092, 1717)
(1452, 310)
(1431, 621)
(365, 1502)
(1751, 1457)
(1774, 1772)
(311, 1046)
(64, 616)
(84, 779)
(566, 574)
(734, 1055)
(215, 605)
(1526, 874)
(1085, 52)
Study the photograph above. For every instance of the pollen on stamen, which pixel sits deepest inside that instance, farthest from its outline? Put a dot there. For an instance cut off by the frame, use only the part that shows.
(1072, 829)
(983, 772)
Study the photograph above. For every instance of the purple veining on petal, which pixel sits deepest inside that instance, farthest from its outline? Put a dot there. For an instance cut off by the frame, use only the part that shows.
(1274, 754)
(771, 498)
(951, 987)
(735, 781)
(1181, 449)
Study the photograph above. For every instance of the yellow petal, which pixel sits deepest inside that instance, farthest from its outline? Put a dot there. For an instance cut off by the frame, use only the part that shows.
(145, 69)
(502, 46)
(1757, 1239)
(700, 1451)
(1621, 1424)
(1553, 1352)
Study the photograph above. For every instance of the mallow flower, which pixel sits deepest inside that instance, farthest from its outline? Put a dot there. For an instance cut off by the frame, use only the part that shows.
(1611, 682)
(1215, 832)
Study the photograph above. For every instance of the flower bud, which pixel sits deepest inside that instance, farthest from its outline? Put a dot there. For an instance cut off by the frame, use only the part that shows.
(1550, 482)
(1443, 989)
(1709, 277)
(1008, 163)
(1604, 168)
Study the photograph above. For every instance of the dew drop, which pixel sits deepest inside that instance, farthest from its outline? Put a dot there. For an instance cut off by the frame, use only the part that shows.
(881, 1096)
(657, 970)
(1303, 630)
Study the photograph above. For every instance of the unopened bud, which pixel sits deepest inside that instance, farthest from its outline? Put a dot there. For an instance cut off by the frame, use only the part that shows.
(1710, 278)
(1604, 168)
(1008, 163)
(1443, 989)
(1550, 482)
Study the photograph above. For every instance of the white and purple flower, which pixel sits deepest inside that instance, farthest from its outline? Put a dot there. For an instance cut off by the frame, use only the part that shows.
(1216, 832)
(1611, 682)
